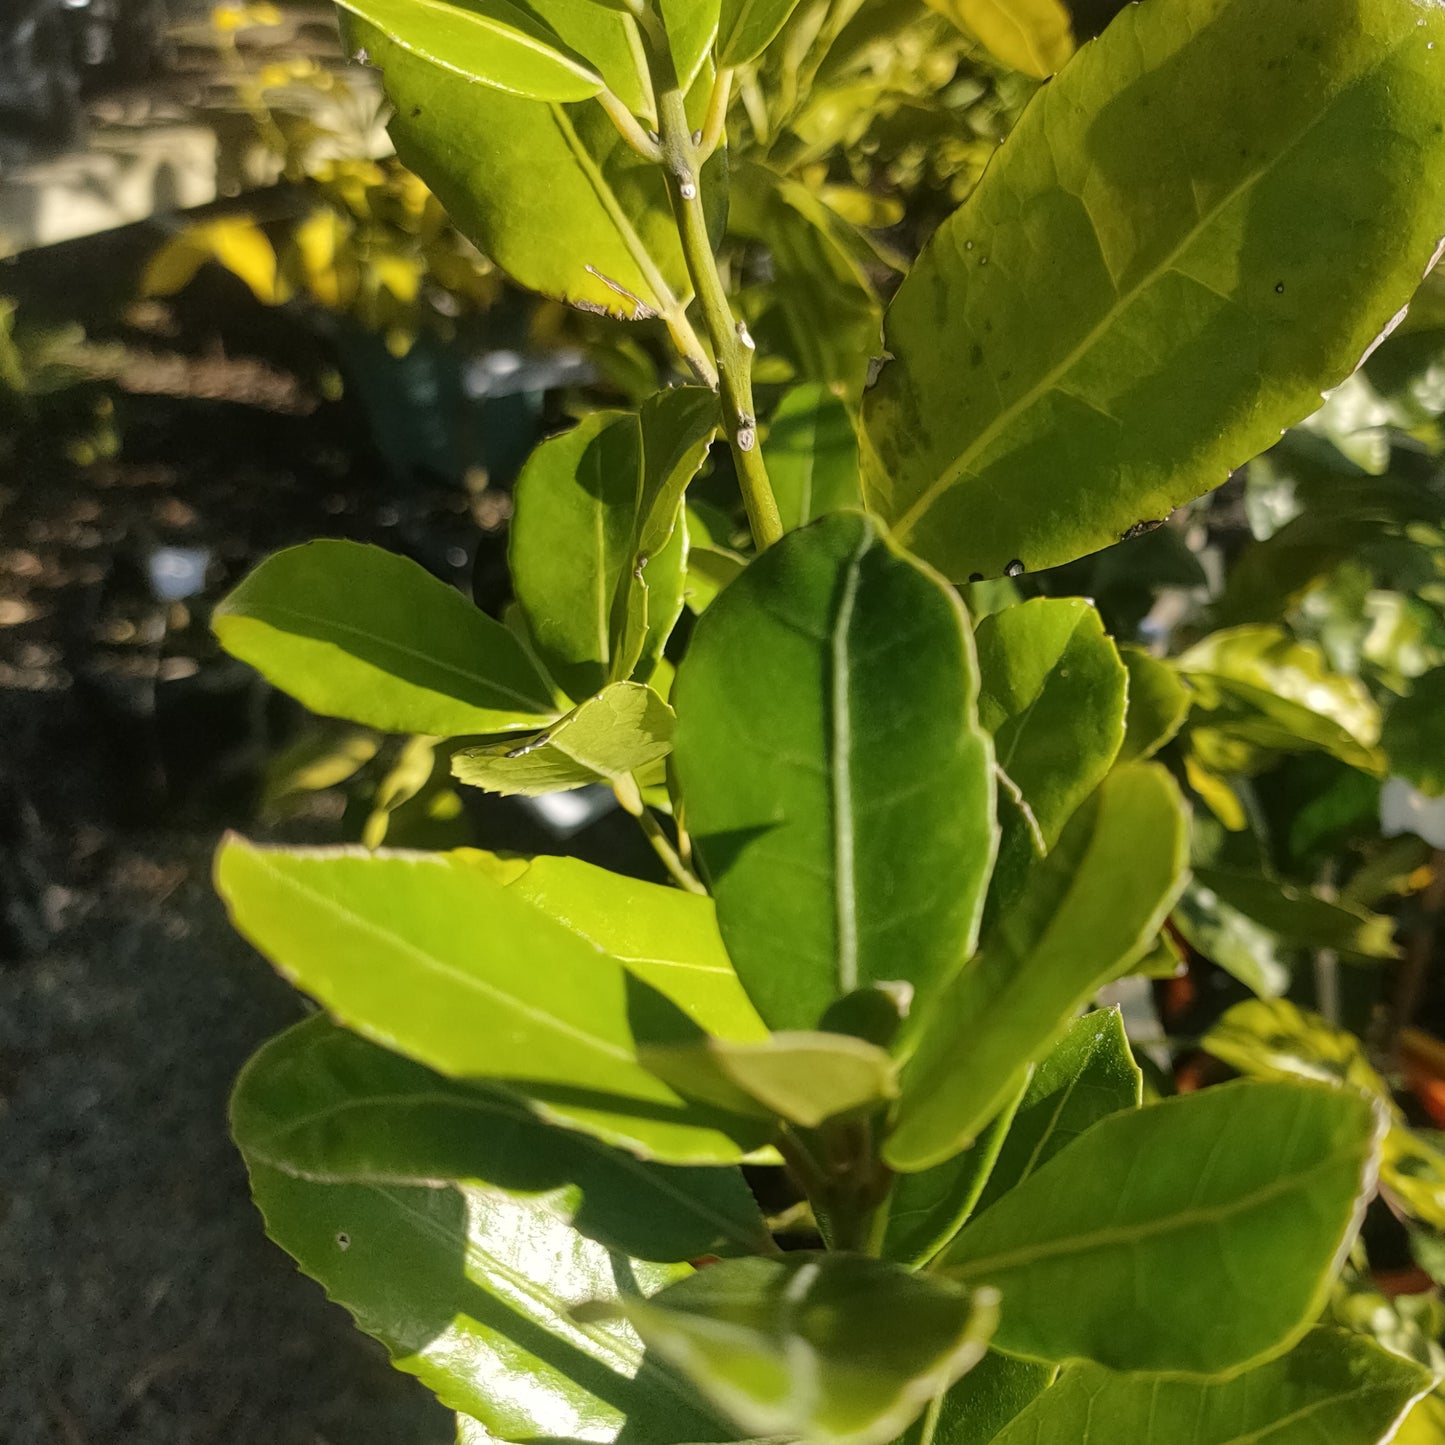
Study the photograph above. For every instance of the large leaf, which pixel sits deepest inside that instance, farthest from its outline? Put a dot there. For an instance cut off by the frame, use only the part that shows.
(492, 41)
(321, 1103)
(1333, 1388)
(667, 938)
(1087, 912)
(812, 456)
(747, 28)
(982, 1403)
(1052, 692)
(1198, 1235)
(360, 633)
(1034, 36)
(1202, 223)
(833, 771)
(838, 1349)
(1090, 1074)
(469, 1288)
(605, 739)
(428, 954)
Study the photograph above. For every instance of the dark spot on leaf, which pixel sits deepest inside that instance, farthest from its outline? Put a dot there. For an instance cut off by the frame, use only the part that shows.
(975, 576)
(1279, 288)
(1014, 569)
(1139, 529)
(975, 355)
(343, 1240)
(988, 328)
(415, 111)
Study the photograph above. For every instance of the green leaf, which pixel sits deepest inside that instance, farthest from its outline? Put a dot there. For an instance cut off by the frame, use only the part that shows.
(1052, 692)
(838, 1349)
(1196, 1236)
(1247, 191)
(1333, 1388)
(429, 955)
(469, 1289)
(608, 38)
(805, 1078)
(362, 634)
(833, 771)
(982, 1403)
(323, 1104)
(1302, 919)
(667, 938)
(1034, 36)
(1236, 943)
(812, 456)
(607, 738)
(1158, 704)
(1414, 734)
(1089, 1075)
(1267, 690)
(926, 1209)
(551, 193)
(1088, 911)
(692, 27)
(492, 41)
(747, 28)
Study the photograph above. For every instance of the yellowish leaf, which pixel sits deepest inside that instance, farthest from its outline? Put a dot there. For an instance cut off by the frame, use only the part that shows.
(1034, 36)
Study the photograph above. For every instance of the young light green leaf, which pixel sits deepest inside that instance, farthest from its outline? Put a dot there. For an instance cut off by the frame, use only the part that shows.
(323, 1104)
(1158, 704)
(1196, 1236)
(1034, 36)
(982, 1403)
(812, 456)
(429, 955)
(1089, 910)
(491, 41)
(605, 739)
(836, 1349)
(747, 28)
(926, 1209)
(1052, 692)
(1333, 1388)
(1089, 1075)
(469, 1289)
(833, 771)
(667, 938)
(356, 632)
(1248, 190)
(607, 37)
(805, 1078)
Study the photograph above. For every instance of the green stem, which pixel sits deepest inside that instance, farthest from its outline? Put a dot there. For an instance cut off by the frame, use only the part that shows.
(627, 127)
(731, 345)
(630, 797)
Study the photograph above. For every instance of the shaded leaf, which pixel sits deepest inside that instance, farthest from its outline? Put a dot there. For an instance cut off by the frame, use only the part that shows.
(1052, 692)
(812, 456)
(1414, 735)
(1333, 1388)
(1216, 1261)
(982, 1403)
(323, 1104)
(839, 1349)
(1246, 192)
(833, 771)
(359, 633)
(1089, 910)
(1227, 937)
(1158, 704)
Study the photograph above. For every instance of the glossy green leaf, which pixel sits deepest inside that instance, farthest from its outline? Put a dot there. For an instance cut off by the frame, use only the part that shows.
(1199, 226)
(492, 41)
(812, 456)
(429, 955)
(667, 938)
(805, 1078)
(1414, 735)
(747, 28)
(833, 771)
(1088, 911)
(323, 1104)
(469, 1288)
(1034, 36)
(836, 1349)
(551, 193)
(1227, 937)
(982, 1403)
(1089, 1075)
(1197, 1236)
(1301, 918)
(1333, 1388)
(608, 38)
(692, 28)
(605, 739)
(1158, 704)
(359, 633)
(1052, 692)
(926, 1209)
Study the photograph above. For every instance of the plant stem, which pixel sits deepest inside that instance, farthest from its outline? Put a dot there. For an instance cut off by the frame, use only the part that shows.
(714, 128)
(628, 128)
(631, 800)
(732, 346)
